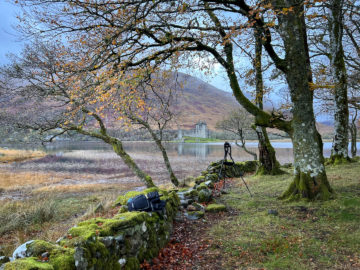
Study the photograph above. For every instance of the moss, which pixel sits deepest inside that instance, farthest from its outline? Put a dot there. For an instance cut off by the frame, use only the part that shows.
(215, 208)
(198, 214)
(121, 221)
(132, 263)
(191, 193)
(275, 171)
(38, 247)
(122, 200)
(203, 173)
(205, 195)
(59, 257)
(201, 186)
(63, 261)
(337, 160)
(31, 263)
(212, 177)
(248, 166)
(199, 179)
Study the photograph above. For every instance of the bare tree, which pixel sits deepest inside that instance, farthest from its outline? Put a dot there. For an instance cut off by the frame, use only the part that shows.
(239, 123)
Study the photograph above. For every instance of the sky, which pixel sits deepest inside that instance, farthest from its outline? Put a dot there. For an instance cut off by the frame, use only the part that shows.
(9, 39)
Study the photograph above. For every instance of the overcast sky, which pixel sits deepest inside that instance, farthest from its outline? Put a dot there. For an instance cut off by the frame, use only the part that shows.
(9, 40)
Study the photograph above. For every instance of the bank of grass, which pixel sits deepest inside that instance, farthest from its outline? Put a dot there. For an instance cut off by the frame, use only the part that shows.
(304, 235)
(48, 215)
(199, 140)
(11, 155)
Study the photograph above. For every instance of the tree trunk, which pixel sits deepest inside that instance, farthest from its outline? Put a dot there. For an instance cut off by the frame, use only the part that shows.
(353, 133)
(158, 142)
(267, 155)
(339, 152)
(268, 163)
(119, 150)
(242, 145)
(310, 180)
(173, 178)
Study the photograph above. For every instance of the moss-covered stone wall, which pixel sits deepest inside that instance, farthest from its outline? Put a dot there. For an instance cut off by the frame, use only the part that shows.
(120, 242)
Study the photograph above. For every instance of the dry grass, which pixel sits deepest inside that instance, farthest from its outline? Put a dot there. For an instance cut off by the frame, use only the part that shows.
(11, 155)
(84, 188)
(11, 180)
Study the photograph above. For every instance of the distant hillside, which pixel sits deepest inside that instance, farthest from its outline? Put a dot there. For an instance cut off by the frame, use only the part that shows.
(202, 101)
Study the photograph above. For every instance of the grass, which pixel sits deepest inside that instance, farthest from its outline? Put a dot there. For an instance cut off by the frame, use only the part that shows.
(11, 180)
(11, 155)
(199, 140)
(304, 235)
(47, 215)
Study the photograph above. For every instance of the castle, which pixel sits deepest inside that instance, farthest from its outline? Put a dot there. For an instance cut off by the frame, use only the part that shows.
(200, 131)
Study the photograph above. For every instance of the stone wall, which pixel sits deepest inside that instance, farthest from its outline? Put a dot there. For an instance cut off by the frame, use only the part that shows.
(120, 242)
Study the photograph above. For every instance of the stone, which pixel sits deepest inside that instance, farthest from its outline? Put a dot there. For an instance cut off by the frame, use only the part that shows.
(213, 208)
(273, 212)
(201, 186)
(209, 184)
(198, 206)
(4, 259)
(191, 208)
(45, 255)
(195, 215)
(205, 195)
(20, 251)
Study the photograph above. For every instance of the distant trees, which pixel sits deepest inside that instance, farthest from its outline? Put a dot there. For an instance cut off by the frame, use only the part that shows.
(132, 35)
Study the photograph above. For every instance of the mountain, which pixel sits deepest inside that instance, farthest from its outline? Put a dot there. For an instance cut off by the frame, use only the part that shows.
(199, 100)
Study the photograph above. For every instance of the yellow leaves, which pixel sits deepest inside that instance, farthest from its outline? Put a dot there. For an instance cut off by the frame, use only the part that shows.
(314, 86)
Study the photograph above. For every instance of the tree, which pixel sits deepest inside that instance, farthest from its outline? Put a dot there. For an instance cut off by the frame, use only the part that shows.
(132, 34)
(238, 122)
(66, 102)
(160, 95)
(341, 112)
(267, 156)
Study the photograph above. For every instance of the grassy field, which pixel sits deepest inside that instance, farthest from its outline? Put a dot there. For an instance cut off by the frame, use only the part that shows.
(303, 235)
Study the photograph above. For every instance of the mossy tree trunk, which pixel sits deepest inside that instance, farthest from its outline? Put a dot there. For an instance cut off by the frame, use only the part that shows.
(339, 152)
(353, 133)
(310, 179)
(119, 150)
(117, 146)
(267, 154)
(308, 155)
(173, 178)
(158, 140)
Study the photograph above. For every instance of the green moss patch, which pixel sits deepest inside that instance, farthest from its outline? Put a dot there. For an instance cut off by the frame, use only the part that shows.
(212, 208)
(31, 263)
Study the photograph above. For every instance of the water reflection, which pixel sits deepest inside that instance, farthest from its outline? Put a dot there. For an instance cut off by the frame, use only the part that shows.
(198, 150)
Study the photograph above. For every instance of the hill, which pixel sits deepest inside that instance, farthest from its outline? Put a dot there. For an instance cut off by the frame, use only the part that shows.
(202, 101)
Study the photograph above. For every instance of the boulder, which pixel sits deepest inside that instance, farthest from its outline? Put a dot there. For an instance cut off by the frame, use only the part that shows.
(205, 195)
